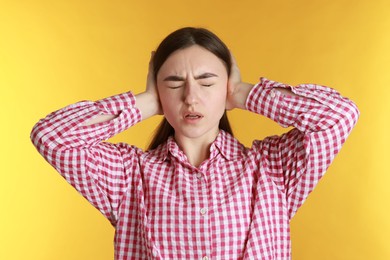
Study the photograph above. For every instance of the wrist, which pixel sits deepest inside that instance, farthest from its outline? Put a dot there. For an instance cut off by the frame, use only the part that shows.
(148, 104)
(243, 90)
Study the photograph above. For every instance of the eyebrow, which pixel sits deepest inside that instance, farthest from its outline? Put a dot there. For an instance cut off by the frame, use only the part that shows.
(201, 76)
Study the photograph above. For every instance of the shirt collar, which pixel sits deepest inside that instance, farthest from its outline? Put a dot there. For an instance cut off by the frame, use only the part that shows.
(228, 146)
(225, 144)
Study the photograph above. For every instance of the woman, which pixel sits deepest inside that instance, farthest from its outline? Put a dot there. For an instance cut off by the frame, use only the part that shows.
(198, 193)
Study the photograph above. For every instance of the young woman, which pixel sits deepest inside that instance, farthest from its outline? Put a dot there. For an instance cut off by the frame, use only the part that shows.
(198, 193)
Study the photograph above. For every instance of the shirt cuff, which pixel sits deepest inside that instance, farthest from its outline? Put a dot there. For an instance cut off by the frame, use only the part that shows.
(263, 99)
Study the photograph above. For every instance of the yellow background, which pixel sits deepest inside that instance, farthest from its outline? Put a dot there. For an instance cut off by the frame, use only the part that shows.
(53, 53)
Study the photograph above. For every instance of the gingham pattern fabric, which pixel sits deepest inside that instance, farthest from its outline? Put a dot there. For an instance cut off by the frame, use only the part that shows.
(236, 205)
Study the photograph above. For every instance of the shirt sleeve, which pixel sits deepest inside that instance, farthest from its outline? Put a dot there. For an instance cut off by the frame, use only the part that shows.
(95, 168)
(322, 120)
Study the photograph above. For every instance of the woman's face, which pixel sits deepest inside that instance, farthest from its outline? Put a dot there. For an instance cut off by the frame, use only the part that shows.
(192, 85)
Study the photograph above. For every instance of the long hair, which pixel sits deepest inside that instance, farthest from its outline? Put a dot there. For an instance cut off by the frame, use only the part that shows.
(181, 39)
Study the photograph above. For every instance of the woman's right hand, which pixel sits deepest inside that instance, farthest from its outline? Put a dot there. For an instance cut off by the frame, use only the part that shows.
(149, 102)
(151, 86)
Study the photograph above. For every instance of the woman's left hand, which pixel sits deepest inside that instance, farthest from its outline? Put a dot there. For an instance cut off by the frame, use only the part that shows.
(237, 91)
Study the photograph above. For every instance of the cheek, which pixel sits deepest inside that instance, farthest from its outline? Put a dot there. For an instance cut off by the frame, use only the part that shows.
(165, 104)
(168, 103)
(218, 102)
(221, 95)
(163, 96)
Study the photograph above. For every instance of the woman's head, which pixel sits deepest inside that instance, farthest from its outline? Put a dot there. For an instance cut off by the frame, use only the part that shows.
(192, 64)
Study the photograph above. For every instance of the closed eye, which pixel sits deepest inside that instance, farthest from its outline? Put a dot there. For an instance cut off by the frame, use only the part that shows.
(174, 87)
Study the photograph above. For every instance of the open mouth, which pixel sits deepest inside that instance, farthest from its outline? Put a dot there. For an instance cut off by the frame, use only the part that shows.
(191, 116)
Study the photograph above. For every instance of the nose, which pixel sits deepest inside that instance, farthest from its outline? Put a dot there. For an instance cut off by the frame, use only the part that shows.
(191, 93)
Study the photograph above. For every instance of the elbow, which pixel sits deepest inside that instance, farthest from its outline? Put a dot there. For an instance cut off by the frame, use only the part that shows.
(36, 134)
(348, 115)
(352, 114)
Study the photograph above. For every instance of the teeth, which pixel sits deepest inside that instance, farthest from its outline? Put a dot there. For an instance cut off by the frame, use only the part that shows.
(193, 116)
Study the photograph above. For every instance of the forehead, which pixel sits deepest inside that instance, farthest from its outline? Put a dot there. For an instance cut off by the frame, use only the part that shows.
(194, 58)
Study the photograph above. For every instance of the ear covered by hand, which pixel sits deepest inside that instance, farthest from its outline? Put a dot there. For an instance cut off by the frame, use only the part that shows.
(151, 86)
(237, 91)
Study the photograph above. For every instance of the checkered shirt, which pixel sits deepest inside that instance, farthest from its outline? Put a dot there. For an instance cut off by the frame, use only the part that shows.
(236, 205)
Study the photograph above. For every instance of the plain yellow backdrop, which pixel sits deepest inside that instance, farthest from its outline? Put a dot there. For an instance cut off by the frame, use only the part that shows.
(53, 53)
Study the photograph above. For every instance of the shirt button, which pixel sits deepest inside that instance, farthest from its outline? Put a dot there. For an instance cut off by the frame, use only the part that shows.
(272, 94)
(199, 176)
(203, 211)
(205, 258)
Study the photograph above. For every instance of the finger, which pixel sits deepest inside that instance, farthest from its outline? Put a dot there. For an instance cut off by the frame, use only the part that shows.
(235, 75)
(234, 67)
(150, 77)
(151, 59)
(234, 62)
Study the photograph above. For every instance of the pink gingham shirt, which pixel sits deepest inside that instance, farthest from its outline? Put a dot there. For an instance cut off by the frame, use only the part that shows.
(236, 205)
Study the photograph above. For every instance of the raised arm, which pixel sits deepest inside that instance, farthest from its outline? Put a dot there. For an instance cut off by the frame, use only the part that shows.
(322, 120)
(72, 141)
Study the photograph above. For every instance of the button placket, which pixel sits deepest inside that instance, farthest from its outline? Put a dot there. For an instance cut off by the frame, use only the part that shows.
(203, 211)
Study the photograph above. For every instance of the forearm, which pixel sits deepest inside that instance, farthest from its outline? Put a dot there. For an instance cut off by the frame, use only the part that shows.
(308, 107)
(99, 119)
(85, 123)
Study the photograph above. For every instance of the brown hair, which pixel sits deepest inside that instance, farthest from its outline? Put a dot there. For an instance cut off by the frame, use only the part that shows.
(181, 39)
